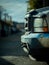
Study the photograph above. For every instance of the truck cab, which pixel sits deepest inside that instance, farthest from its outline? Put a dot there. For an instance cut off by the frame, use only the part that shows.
(36, 37)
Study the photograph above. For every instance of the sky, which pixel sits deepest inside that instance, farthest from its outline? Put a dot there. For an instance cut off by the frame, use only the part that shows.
(15, 8)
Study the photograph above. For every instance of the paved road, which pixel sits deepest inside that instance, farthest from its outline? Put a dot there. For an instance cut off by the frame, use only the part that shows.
(11, 52)
(11, 45)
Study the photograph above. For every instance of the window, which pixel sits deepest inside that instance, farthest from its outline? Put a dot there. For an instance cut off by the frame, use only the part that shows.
(40, 25)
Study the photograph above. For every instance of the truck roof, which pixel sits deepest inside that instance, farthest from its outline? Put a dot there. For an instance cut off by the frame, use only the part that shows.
(38, 12)
(43, 9)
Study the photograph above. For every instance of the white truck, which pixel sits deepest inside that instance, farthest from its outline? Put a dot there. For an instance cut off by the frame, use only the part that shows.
(35, 41)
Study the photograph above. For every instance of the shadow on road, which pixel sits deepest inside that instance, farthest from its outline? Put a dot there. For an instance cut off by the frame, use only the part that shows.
(5, 62)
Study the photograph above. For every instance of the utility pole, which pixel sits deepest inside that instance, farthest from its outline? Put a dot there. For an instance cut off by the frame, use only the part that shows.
(1, 11)
(10, 19)
(5, 16)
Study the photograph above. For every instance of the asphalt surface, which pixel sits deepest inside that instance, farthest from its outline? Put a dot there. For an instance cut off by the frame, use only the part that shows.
(11, 52)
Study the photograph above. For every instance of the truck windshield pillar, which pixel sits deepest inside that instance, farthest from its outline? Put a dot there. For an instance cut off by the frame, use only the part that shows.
(31, 24)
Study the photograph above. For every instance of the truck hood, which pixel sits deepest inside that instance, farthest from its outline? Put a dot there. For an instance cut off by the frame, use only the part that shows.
(33, 39)
(36, 35)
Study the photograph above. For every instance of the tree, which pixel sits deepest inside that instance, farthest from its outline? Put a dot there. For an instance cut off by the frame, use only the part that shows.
(35, 4)
(1, 11)
(5, 15)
